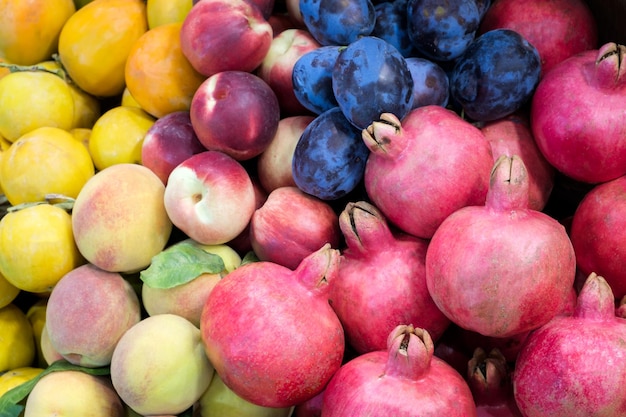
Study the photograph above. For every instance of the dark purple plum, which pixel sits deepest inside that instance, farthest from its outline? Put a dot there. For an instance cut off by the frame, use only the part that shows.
(430, 82)
(442, 30)
(312, 79)
(371, 77)
(330, 156)
(483, 6)
(338, 22)
(496, 75)
(392, 26)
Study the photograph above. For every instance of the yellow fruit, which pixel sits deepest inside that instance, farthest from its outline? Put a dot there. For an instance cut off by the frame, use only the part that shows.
(117, 136)
(86, 106)
(32, 99)
(128, 100)
(36, 315)
(47, 160)
(16, 377)
(82, 134)
(37, 247)
(162, 12)
(29, 29)
(8, 292)
(17, 344)
(158, 75)
(4, 145)
(95, 42)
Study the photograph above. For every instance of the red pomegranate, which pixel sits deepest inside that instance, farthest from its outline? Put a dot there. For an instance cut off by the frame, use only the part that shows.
(575, 365)
(576, 115)
(425, 167)
(381, 281)
(403, 380)
(501, 269)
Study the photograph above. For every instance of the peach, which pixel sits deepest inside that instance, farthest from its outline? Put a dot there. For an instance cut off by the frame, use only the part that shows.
(119, 219)
(88, 311)
(159, 366)
(187, 300)
(210, 197)
(48, 351)
(73, 393)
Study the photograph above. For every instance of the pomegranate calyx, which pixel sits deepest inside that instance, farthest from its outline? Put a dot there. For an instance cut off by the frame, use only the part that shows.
(508, 185)
(410, 352)
(318, 269)
(363, 227)
(488, 376)
(378, 135)
(595, 299)
(610, 68)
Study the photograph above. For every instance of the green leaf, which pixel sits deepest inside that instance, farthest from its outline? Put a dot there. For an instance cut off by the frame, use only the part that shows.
(9, 402)
(249, 258)
(179, 264)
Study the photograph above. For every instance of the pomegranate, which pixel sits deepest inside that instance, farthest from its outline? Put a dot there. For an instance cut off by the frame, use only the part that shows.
(270, 332)
(509, 346)
(424, 168)
(489, 379)
(575, 115)
(598, 232)
(572, 28)
(511, 135)
(575, 365)
(403, 380)
(501, 269)
(381, 282)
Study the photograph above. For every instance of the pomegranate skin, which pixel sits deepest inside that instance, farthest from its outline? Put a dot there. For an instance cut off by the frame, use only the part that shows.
(572, 28)
(381, 281)
(501, 269)
(405, 380)
(423, 168)
(576, 118)
(271, 334)
(575, 365)
(598, 233)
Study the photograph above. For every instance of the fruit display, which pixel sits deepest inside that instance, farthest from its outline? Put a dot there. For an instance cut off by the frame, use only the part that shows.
(305, 208)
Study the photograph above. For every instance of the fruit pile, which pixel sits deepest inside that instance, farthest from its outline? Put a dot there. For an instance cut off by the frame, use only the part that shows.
(272, 208)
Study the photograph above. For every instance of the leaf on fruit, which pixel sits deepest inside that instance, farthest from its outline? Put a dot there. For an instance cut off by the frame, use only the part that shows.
(179, 264)
(9, 402)
(249, 258)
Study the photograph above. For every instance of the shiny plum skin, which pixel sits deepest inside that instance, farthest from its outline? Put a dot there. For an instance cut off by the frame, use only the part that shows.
(391, 25)
(443, 33)
(430, 82)
(329, 159)
(312, 79)
(334, 22)
(496, 75)
(372, 77)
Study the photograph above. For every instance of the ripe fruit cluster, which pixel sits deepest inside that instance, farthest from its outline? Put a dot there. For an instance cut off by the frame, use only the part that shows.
(311, 207)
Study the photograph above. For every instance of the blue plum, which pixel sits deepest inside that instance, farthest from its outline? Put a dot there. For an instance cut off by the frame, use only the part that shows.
(391, 25)
(430, 82)
(372, 77)
(496, 75)
(442, 30)
(338, 22)
(312, 79)
(330, 156)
